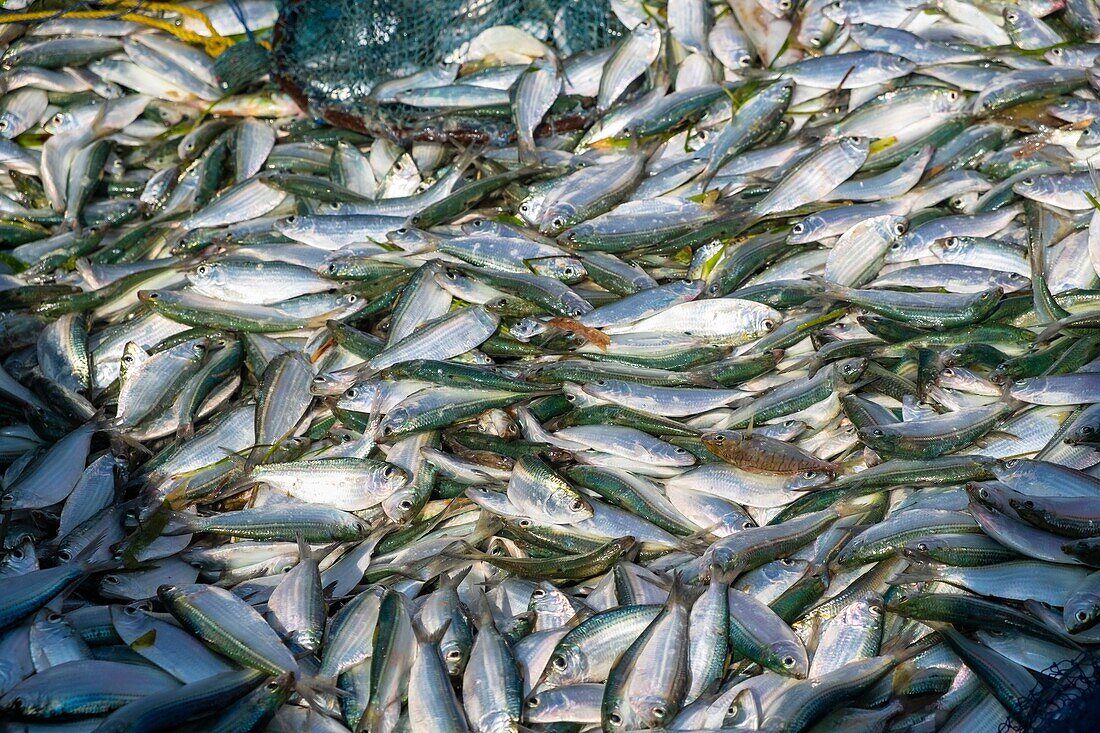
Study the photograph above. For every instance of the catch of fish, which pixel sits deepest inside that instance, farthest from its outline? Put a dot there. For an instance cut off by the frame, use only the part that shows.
(743, 375)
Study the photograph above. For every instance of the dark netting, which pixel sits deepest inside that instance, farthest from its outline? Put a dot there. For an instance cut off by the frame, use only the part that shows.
(1070, 703)
(328, 54)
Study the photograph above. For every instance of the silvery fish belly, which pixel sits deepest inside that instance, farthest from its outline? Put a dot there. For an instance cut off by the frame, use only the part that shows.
(741, 373)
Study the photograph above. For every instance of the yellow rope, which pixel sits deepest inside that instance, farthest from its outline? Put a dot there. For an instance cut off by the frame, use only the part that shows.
(214, 44)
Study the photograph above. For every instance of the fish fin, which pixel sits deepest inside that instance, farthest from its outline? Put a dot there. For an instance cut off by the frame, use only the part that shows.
(465, 551)
(483, 611)
(1050, 332)
(304, 551)
(830, 291)
(852, 506)
(997, 433)
(146, 640)
(185, 521)
(915, 574)
(429, 637)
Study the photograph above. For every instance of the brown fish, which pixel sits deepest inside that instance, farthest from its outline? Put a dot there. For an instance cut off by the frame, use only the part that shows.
(763, 454)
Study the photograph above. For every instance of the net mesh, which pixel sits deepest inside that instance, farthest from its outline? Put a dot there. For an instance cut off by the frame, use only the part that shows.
(328, 54)
(1070, 703)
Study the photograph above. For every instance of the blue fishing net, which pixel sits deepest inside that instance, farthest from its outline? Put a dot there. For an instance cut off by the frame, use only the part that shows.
(328, 54)
(1068, 703)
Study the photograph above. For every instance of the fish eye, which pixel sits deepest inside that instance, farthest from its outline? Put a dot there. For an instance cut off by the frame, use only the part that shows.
(538, 593)
(719, 439)
(809, 474)
(533, 702)
(789, 661)
(17, 553)
(1087, 430)
(786, 561)
(62, 555)
(525, 523)
(680, 451)
(54, 617)
(454, 654)
(798, 228)
(405, 505)
(922, 546)
(900, 228)
(557, 222)
(615, 719)
(1081, 616)
(952, 95)
(1011, 16)
(559, 662)
(273, 685)
(1028, 182)
(577, 505)
(659, 711)
(949, 372)
(569, 272)
(389, 471)
(769, 324)
(1056, 51)
(745, 60)
(878, 433)
(154, 295)
(112, 579)
(1011, 462)
(292, 220)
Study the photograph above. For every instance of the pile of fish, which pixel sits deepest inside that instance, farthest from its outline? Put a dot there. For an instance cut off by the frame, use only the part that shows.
(769, 399)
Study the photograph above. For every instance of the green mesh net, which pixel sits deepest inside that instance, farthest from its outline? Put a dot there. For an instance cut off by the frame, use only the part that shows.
(328, 54)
